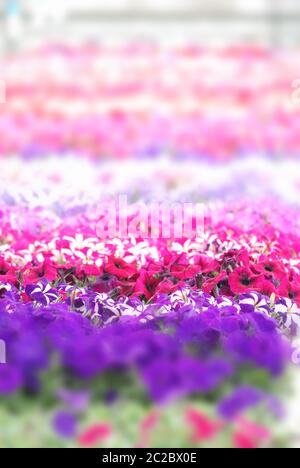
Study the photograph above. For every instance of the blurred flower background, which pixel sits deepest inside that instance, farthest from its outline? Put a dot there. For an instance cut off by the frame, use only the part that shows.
(114, 337)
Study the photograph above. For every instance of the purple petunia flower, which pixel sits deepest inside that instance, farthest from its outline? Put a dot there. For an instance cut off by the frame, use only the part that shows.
(10, 379)
(42, 293)
(239, 401)
(65, 424)
(167, 379)
(265, 350)
(75, 401)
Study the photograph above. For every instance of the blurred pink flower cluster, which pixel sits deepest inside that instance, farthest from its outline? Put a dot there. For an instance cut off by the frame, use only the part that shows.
(139, 100)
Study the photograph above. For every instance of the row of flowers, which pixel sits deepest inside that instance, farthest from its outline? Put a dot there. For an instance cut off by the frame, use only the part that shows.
(233, 273)
(103, 309)
(151, 101)
(236, 250)
(160, 71)
(72, 184)
(124, 134)
(174, 343)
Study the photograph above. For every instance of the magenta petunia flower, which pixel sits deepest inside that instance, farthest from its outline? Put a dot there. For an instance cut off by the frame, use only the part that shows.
(94, 435)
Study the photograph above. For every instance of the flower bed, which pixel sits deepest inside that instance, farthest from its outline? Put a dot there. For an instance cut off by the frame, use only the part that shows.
(144, 323)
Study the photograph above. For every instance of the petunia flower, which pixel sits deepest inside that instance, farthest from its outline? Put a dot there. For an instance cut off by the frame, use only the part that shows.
(119, 268)
(242, 280)
(239, 401)
(42, 293)
(94, 435)
(211, 283)
(289, 314)
(10, 379)
(270, 268)
(146, 284)
(7, 272)
(290, 289)
(249, 435)
(203, 428)
(85, 270)
(35, 274)
(75, 401)
(146, 428)
(254, 301)
(65, 424)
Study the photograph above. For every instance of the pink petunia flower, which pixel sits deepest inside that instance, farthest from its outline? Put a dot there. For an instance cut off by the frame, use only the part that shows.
(203, 428)
(249, 435)
(94, 434)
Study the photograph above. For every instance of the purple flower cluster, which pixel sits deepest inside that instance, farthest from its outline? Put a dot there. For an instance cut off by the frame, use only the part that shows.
(184, 344)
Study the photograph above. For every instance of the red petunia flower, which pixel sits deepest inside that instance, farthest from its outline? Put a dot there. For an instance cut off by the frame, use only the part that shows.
(184, 272)
(263, 286)
(83, 271)
(146, 285)
(119, 268)
(242, 280)
(167, 287)
(211, 283)
(34, 274)
(206, 264)
(234, 258)
(7, 272)
(270, 268)
(290, 289)
(202, 264)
